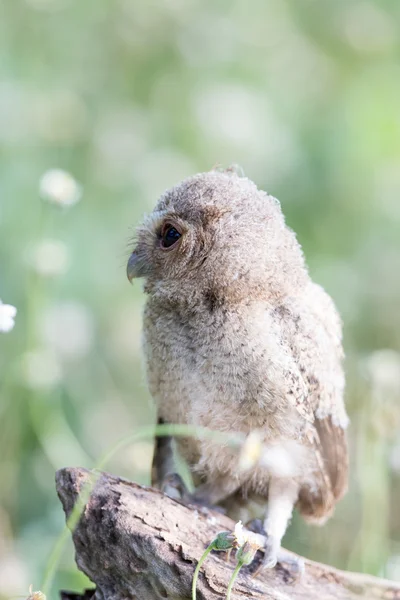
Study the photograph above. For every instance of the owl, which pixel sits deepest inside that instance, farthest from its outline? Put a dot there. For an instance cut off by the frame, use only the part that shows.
(238, 338)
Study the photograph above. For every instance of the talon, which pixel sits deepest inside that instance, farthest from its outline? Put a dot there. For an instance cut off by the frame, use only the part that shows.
(270, 559)
(270, 563)
(174, 487)
(256, 526)
(293, 565)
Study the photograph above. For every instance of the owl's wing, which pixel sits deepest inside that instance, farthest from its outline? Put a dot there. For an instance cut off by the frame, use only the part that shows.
(309, 329)
(311, 332)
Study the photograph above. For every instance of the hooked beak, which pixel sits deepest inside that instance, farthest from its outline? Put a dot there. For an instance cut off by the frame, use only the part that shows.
(132, 268)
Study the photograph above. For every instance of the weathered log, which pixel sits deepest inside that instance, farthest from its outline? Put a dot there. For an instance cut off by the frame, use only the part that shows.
(135, 543)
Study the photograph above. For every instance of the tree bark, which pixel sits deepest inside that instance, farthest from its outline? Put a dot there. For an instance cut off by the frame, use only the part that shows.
(135, 543)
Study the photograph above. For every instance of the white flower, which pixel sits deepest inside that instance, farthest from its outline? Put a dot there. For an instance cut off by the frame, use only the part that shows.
(239, 533)
(42, 370)
(67, 330)
(392, 567)
(35, 595)
(284, 459)
(383, 371)
(50, 258)
(7, 316)
(251, 450)
(59, 187)
(136, 458)
(383, 368)
(244, 536)
(13, 571)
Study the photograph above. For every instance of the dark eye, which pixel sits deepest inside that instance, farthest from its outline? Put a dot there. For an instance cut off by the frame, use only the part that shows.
(169, 236)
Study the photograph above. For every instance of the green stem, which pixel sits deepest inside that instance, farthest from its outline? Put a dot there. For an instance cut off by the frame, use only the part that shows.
(197, 571)
(165, 429)
(53, 561)
(233, 579)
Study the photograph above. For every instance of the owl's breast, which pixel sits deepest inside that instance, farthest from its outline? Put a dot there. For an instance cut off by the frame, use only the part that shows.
(215, 373)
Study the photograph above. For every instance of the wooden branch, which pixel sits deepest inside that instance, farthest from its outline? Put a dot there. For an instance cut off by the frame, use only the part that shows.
(135, 543)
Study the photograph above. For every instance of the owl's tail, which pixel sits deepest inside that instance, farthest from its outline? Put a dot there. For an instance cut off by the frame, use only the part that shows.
(317, 503)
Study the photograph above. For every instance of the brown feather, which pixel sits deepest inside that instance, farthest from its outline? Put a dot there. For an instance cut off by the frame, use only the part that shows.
(317, 504)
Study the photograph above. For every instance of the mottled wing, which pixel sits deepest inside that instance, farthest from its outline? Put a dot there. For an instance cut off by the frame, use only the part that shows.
(311, 329)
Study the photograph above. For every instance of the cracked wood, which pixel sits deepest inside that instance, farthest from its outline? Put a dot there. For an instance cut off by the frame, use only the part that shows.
(135, 543)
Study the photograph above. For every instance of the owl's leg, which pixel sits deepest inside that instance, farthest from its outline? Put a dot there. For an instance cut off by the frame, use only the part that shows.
(163, 459)
(163, 472)
(282, 496)
(216, 491)
(165, 477)
(208, 494)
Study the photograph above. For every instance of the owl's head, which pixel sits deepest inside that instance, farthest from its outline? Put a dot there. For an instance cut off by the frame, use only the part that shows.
(215, 239)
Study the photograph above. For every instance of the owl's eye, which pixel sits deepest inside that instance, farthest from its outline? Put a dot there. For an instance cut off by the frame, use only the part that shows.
(169, 236)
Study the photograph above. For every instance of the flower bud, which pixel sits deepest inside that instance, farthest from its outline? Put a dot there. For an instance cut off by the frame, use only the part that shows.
(246, 553)
(224, 541)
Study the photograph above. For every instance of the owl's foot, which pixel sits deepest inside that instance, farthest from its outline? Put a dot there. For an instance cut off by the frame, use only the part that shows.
(256, 526)
(174, 487)
(292, 566)
(274, 556)
(270, 558)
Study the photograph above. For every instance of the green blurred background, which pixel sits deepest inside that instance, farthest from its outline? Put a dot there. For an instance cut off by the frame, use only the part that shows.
(129, 96)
